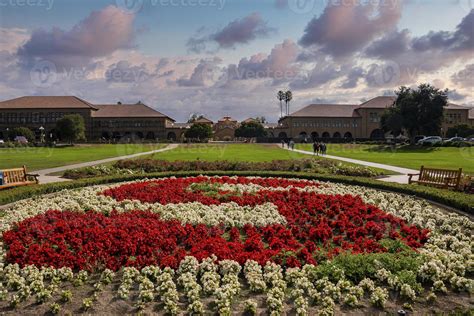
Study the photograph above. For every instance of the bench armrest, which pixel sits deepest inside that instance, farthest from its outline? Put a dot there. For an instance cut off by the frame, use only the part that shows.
(34, 176)
(411, 175)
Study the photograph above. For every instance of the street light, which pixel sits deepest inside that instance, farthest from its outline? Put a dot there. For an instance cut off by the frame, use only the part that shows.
(41, 134)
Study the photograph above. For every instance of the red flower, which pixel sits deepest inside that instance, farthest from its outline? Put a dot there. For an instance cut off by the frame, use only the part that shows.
(315, 222)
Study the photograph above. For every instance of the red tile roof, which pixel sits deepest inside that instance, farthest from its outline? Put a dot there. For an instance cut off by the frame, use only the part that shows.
(127, 110)
(381, 102)
(46, 102)
(327, 110)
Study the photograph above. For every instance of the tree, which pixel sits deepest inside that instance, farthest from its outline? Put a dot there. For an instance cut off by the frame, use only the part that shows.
(281, 97)
(194, 117)
(288, 98)
(261, 119)
(250, 129)
(21, 131)
(71, 128)
(418, 111)
(460, 131)
(199, 131)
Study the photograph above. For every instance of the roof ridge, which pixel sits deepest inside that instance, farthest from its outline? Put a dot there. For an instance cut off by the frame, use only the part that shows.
(83, 101)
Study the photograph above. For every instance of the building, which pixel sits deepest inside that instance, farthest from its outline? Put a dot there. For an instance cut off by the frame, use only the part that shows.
(141, 122)
(224, 129)
(339, 121)
(43, 111)
(129, 121)
(102, 121)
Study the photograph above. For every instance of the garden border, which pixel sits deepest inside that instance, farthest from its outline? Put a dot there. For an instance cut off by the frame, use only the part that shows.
(450, 199)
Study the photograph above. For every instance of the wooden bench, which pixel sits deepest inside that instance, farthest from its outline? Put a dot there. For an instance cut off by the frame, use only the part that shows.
(17, 177)
(442, 178)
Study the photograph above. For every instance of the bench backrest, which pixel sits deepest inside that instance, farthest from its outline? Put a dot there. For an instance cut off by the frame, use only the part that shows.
(17, 175)
(440, 175)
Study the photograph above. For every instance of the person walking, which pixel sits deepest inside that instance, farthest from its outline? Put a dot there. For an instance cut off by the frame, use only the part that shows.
(315, 148)
(323, 149)
(292, 145)
(282, 143)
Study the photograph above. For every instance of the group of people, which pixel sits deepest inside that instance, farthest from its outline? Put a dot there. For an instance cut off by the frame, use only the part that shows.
(289, 143)
(319, 148)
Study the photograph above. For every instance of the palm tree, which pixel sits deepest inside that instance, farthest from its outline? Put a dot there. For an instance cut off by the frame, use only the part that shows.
(288, 98)
(281, 97)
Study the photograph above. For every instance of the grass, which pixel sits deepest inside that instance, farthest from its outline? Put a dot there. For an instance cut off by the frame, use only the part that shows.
(36, 158)
(406, 156)
(231, 152)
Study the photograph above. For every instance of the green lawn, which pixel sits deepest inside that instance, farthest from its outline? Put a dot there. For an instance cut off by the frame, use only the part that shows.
(408, 157)
(36, 158)
(232, 152)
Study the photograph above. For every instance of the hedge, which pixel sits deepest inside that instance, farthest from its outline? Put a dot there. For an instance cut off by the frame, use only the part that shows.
(457, 200)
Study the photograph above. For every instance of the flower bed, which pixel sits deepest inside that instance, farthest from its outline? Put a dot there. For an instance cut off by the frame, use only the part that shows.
(284, 243)
(146, 166)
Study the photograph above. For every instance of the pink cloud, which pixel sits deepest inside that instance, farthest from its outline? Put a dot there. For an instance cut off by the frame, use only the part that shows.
(99, 34)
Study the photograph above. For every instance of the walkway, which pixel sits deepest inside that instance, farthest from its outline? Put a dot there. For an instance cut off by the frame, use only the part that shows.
(45, 177)
(402, 177)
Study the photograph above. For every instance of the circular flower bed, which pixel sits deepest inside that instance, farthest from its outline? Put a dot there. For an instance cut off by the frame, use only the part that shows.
(295, 243)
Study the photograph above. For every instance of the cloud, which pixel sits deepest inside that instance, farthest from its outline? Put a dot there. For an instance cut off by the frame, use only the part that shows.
(465, 77)
(205, 73)
(353, 77)
(126, 73)
(418, 56)
(345, 28)
(12, 38)
(454, 95)
(99, 34)
(239, 31)
(392, 44)
(460, 40)
(279, 65)
(324, 72)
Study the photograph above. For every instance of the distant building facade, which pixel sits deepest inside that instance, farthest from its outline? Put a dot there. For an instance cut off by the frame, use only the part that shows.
(354, 121)
(141, 122)
(102, 121)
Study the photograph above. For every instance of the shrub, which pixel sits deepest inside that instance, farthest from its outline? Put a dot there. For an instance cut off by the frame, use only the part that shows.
(152, 165)
(21, 131)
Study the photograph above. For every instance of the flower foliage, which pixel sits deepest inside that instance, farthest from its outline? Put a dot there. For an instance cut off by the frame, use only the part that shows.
(309, 227)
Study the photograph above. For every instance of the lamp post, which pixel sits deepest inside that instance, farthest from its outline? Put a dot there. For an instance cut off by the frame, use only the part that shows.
(41, 134)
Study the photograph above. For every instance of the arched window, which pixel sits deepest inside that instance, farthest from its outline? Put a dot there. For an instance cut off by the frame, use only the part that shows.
(314, 135)
(377, 134)
(139, 135)
(326, 135)
(337, 135)
(150, 135)
(171, 136)
(303, 135)
(348, 135)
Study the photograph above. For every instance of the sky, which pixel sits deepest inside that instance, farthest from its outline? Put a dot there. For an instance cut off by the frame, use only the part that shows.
(230, 57)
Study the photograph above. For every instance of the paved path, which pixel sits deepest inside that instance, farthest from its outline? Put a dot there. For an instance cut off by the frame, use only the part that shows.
(399, 178)
(44, 176)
